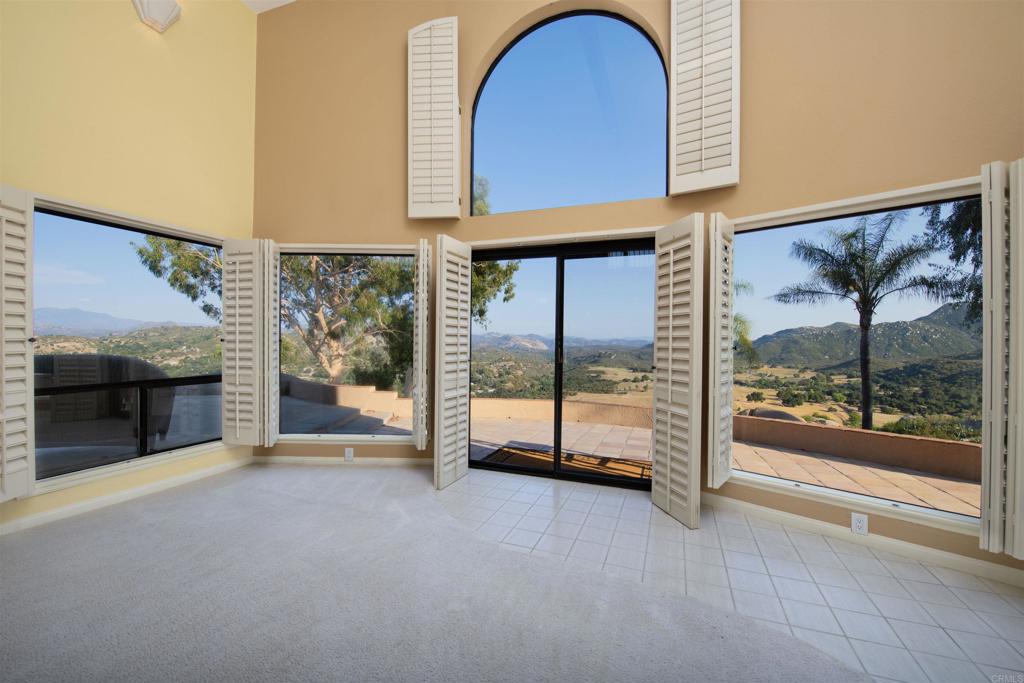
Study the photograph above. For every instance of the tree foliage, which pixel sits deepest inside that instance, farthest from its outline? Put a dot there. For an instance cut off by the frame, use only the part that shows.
(352, 312)
(959, 234)
(861, 265)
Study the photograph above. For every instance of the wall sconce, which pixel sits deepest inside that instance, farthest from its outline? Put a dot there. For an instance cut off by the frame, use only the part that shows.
(157, 14)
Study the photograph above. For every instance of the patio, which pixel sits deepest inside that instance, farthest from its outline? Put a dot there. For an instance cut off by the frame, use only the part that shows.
(612, 443)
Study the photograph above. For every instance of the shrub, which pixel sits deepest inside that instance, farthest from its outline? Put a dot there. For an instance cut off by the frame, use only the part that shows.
(756, 396)
(935, 426)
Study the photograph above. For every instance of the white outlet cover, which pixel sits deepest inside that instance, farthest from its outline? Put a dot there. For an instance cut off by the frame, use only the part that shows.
(349, 454)
(859, 523)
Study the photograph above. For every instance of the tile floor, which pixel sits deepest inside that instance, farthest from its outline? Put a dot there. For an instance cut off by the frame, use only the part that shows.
(894, 617)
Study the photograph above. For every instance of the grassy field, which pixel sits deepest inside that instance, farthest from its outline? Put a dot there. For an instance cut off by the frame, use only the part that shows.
(631, 388)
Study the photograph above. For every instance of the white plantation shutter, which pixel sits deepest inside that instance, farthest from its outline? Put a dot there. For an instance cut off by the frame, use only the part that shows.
(420, 345)
(242, 350)
(434, 120)
(17, 465)
(272, 341)
(451, 365)
(704, 95)
(720, 346)
(675, 485)
(1002, 476)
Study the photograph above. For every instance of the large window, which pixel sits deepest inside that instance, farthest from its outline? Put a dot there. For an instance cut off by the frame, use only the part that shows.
(561, 361)
(127, 357)
(574, 112)
(346, 344)
(853, 335)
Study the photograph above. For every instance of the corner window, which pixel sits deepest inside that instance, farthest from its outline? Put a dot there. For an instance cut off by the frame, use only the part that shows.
(346, 344)
(573, 112)
(127, 352)
(854, 335)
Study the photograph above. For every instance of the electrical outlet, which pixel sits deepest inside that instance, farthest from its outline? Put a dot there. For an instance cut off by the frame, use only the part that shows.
(859, 523)
(350, 453)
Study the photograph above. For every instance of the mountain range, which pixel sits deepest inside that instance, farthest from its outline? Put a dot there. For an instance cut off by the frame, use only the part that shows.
(537, 342)
(942, 333)
(80, 323)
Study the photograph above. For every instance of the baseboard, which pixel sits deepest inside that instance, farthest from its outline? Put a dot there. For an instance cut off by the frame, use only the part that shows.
(921, 553)
(121, 496)
(337, 460)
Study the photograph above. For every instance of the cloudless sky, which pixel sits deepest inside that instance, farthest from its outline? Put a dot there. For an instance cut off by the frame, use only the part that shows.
(605, 298)
(573, 114)
(763, 259)
(79, 264)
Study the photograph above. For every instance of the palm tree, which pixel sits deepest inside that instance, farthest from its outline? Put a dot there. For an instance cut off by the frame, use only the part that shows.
(744, 354)
(862, 266)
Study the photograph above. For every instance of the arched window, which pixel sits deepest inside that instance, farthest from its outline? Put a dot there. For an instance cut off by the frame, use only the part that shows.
(573, 112)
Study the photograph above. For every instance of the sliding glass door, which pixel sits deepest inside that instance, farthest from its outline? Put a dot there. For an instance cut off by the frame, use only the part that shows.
(562, 351)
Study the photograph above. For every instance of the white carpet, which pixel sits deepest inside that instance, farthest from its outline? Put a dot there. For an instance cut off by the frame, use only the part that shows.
(302, 573)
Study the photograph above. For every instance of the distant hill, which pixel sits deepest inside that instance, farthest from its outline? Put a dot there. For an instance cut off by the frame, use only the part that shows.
(80, 323)
(536, 342)
(940, 334)
(180, 351)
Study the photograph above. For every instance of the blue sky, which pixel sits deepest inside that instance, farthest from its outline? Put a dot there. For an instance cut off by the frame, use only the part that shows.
(93, 267)
(604, 298)
(573, 114)
(763, 259)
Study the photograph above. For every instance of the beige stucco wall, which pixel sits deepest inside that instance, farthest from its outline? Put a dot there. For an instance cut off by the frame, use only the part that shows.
(839, 99)
(98, 109)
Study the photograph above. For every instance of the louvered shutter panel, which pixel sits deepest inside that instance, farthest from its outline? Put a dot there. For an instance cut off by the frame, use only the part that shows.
(17, 466)
(675, 485)
(242, 349)
(1001, 476)
(1015, 376)
(272, 342)
(720, 346)
(704, 95)
(434, 120)
(420, 344)
(451, 365)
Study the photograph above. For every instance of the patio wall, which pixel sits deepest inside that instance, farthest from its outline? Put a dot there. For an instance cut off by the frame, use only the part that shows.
(936, 456)
(572, 411)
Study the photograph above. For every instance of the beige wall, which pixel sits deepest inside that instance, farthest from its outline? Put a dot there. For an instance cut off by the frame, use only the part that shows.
(98, 109)
(839, 99)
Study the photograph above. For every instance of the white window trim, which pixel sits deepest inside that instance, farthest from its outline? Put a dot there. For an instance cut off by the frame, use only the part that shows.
(91, 213)
(374, 250)
(566, 238)
(71, 479)
(921, 194)
(856, 502)
(348, 439)
(124, 220)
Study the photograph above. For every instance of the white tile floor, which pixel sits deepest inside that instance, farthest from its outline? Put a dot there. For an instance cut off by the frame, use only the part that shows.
(885, 614)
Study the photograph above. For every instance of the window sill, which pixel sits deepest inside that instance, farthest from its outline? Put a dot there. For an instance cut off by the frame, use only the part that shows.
(97, 473)
(347, 439)
(855, 502)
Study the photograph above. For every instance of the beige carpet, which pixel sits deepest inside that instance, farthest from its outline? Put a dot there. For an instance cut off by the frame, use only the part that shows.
(301, 573)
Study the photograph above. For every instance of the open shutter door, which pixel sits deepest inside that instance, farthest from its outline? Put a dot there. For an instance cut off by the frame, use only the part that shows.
(679, 278)
(451, 365)
(272, 342)
(720, 345)
(1002, 481)
(17, 467)
(242, 349)
(435, 181)
(420, 345)
(704, 95)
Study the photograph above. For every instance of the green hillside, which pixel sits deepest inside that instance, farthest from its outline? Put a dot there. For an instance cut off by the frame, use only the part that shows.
(942, 333)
